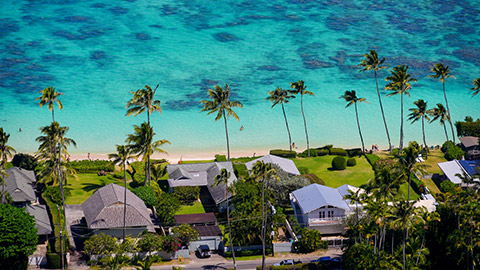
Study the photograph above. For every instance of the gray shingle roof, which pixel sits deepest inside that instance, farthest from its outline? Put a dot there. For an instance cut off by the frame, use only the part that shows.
(201, 174)
(469, 141)
(42, 221)
(104, 209)
(285, 164)
(20, 184)
(315, 196)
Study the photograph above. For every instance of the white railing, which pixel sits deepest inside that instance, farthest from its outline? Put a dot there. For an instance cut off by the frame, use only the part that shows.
(325, 221)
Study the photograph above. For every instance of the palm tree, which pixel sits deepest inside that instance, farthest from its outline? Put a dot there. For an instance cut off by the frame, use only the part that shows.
(371, 62)
(3, 175)
(141, 143)
(385, 185)
(222, 179)
(144, 100)
(400, 83)
(300, 89)
(443, 72)
(356, 197)
(120, 158)
(6, 152)
(420, 112)
(351, 98)
(221, 104)
(281, 96)
(408, 165)
(440, 113)
(50, 96)
(476, 87)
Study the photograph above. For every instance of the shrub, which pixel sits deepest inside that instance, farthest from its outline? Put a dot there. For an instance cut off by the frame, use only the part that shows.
(92, 166)
(187, 195)
(25, 161)
(447, 186)
(128, 245)
(220, 158)
(339, 163)
(54, 261)
(149, 242)
(372, 158)
(147, 194)
(338, 152)
(454, 152)
(55, 195)
(101, 245)
(314, 178)
(322, 152)
(170, 243)
(283, 153)
(311, 240)
(240, 170)
(185, 233)
(313, 153)
(167, 205)
(354, 152)
(303, 170)
(351, 162)
(242, 253)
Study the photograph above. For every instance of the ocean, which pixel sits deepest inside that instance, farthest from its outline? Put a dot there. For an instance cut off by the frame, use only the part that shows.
(96, 52)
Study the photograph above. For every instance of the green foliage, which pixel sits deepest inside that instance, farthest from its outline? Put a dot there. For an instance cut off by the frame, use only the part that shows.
(220, 158)
(322, 152)
(167, 205)
(114, 262)
(101, 244)
(355, 152)
(149, 242)
(454, 152)
(92, 166)
(170, 243)
(55, 195)
(447, 186)
(303, 170)
(351, 162)
(280, 189)
(25, 161)
(187, 195)
(468, 128)
(240, 170)
(147, 194)
(54, 261)
(185, 233)
(338, 152)
(339, 163)
(314, 178)
(246, 253)
(18, 237)
(372, 159)
(309, 241)
(313, 153)
(283, 153)
(361, 256)
(128, 245)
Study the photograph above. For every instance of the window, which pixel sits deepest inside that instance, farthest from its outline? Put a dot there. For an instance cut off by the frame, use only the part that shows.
(321, 214)
(330, 214)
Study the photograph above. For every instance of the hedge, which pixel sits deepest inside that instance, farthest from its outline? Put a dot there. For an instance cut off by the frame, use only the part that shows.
(220, 158)
(92, 166)
(351, 162)
(354, 152)
(468, 128)
(240, 253)
(322, 152)
(339, 163)
(283, 153)
(372, 158)
(54, 261)
(338, 152)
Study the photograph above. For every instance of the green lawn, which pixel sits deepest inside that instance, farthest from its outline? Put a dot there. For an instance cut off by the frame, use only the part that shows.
(196, 208)
(356, 176)
(84, 187)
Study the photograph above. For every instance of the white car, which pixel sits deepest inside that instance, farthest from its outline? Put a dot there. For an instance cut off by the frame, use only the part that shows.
(287, 262)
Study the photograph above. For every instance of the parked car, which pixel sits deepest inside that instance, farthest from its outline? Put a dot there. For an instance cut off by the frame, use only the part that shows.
(203, 251)
(288, 262)
(323, 259)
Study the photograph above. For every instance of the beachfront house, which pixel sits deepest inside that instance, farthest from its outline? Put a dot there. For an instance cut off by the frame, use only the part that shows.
(203, 176)
(207, 227)
(104, 212)
(285, 164)
(42, 221)
(455, 168)
(471, 146)
(20, 185)
(322, 208)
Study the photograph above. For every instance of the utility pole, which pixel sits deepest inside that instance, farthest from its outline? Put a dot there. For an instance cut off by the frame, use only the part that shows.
(63, 201)
(60, 229)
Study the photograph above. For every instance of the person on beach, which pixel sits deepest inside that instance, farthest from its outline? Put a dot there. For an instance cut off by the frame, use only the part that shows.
(88, 156)
(293, 145)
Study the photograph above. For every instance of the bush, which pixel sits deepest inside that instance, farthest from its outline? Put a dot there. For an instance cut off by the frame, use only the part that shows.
(240, 170)
(24, 161)
(351, 162)
(92, 166)
(147, 194)
(185, 233)
(447, 186)
(170, 243)
(167, 205)
(372, 159)
(149, 242)
(354, 152)
(220, 158)
(101, 245)
(338, 152)
(187, 195)
(55, 195)
(54, 261)
(322, 152)
(283, 153)
(311, 240)
(243, 253)
(339, 163)
(303, 170)
(314, 178)
(313, 153)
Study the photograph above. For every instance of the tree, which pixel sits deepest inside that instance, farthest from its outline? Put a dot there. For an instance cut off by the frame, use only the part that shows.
(221, 104)
(222, 179)
(300, 89)
(25, 161)
(167, 205)
(351, 98)
(476, 87)
(420, 112)
(384, 185)
(143, 100)
(6, 152)
(147, 194)
(440, 113)
(18, 237)
(49, 97)
(121, 157)
(443, 72)
(407, 164)
(371, 62)
(141, 143)
(101, 244)
(280, 96)
(310, 241)
(400, 84)
(185, 233)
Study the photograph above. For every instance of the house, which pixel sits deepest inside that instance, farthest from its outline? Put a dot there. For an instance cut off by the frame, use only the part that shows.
(322, 208)
(202, 175)
(104, 212)
(471, 147)
(461, 167)
(20, 185)
(207, 227)
(42, 221)
(285, 164)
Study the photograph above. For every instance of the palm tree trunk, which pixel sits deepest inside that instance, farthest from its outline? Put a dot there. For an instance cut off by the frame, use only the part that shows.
(305, 124)
(383, 114)
(288, 130)
(53, 115)
(403, 248)
(226, 133)
(446, 135)
(230, 231)
(124, 201)
(359, 130)
(448, 112)
(409, 183)
(424, 141)
(263, 223)
(401, 124)
(420, 251)
(148, 171)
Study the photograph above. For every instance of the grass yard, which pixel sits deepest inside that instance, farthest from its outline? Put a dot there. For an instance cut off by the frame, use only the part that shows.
(430, 184)
(356, 176)
(84, 187)
(196, 208)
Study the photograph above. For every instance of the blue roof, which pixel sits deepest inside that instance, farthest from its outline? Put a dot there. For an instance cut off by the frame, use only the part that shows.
(469, 165)
(315, 196)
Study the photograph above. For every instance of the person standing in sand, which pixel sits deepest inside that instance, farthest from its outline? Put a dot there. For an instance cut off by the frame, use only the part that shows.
(88, 156)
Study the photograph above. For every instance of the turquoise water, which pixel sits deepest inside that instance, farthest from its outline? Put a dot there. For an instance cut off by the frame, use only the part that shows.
(95, 52)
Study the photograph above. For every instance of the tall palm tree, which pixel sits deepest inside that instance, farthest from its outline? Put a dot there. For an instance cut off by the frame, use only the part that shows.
(144, 100)
(3, 176)
(356, 197)
(351, 98)
(121, 157)
(221, 104)
(443, 72)
(441, 114)
(49, 97)
(141, 143)
(476, 87)
(6, 152)
(222, 179)
(400, 84)
(384, 185)
(420, 112)
(408, 164)
(371, 62)
(300, 89)
(281, 96)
